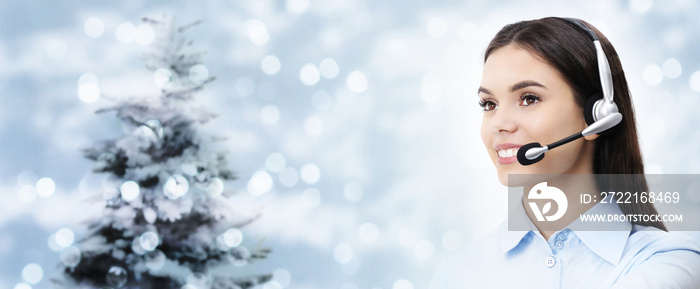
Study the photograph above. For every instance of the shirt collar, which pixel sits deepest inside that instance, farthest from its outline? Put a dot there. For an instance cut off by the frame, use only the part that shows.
(606, 239)
(510, 239)
(608, 244)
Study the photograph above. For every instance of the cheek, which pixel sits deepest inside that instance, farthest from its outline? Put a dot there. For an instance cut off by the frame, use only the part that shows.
(554, 125)
(485, 132)
(484, 137)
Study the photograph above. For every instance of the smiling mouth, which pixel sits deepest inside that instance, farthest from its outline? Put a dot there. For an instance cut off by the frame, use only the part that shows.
(507, 153)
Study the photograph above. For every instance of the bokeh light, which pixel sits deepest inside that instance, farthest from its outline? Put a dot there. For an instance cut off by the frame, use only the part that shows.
(150, 215)
(282, 276)
(257, 32)
(639, 6)
(89, 92)
(22, 286)
(45, 187)
(27, 193)
(310, 174)
(149, 240)
(162, 77)
(402, 284)
(176, 186)
(239, 256)
(275, 162)
(136, 247)
(65, 237)
(289, 177)
(272, 285)
(672, 68)
(189, 169)
(144, 34)
(270, 65)
(215, 187)
(260, 183)
(297, 6)
(244, 86)
(342, 253)
(356, 82)
(130, 190)
(694, 81)
(233, 237)
(328, 68)
(32, 273)
(311, 198)
(154, 260)
(116, 276)
(198, 73)
(94, 27)
(269, 114)
(423, 249)
(53, 245)
(309, 74)
(125, 32)
(368, 232)
(313, 126)
(70, 256)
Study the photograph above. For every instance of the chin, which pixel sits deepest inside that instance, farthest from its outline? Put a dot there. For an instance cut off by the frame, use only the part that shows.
(528, 175)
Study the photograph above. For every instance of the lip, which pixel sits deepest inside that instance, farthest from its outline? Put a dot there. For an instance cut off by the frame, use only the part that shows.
(505, 146)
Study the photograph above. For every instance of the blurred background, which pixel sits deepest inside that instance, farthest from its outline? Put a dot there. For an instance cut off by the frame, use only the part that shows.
(363, 113)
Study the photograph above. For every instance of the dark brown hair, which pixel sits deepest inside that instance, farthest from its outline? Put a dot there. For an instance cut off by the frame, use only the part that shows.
(569, 50)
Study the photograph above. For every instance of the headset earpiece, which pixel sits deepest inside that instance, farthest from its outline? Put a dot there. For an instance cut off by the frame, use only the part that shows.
(588, 107)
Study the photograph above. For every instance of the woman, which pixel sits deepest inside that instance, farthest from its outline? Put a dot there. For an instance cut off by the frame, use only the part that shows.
(538, 77)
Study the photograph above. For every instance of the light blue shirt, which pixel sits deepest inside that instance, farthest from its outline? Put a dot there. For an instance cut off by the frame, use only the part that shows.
(632, 257)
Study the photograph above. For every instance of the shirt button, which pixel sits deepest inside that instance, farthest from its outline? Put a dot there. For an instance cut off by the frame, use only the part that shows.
(559, 244)
(549, 262)
(561, 236)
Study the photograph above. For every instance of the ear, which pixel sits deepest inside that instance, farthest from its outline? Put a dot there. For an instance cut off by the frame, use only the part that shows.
(591, 136)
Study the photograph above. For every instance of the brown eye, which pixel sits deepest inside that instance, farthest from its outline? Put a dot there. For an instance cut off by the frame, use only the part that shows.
(488, 105)
(529, 99)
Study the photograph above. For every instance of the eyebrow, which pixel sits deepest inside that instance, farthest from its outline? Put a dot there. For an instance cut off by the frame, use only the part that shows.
(515, 87)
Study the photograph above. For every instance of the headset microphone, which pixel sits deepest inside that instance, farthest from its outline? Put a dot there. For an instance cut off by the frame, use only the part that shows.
(534, 152)
(600, 111)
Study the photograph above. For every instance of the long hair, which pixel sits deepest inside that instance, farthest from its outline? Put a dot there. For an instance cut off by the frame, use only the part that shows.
(569, 50)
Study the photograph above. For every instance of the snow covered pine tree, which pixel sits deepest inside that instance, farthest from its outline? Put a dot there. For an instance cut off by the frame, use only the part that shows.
(168, 221)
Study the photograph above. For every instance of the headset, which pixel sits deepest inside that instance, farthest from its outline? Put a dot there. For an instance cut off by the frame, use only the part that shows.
(600, 111)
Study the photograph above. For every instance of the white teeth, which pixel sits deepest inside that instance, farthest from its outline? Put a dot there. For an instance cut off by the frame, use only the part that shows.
(507, 153)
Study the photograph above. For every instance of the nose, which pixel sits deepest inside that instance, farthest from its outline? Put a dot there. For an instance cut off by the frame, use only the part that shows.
(504, 121)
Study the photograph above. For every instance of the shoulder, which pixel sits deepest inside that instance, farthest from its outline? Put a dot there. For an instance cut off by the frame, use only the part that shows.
(653, 240)
(657, 259)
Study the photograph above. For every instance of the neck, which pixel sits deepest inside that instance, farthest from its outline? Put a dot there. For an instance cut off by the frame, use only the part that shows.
(573, 186)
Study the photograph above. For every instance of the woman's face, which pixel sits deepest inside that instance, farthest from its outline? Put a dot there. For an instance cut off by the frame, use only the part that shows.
(526, 100)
